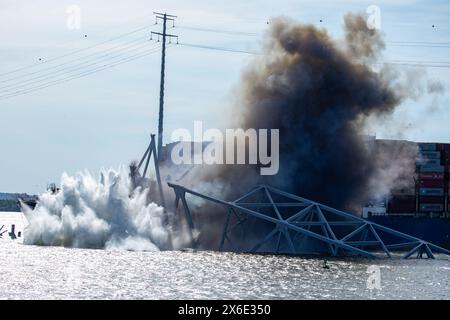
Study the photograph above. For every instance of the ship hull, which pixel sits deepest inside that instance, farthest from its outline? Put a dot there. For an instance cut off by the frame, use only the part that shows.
(434, 230)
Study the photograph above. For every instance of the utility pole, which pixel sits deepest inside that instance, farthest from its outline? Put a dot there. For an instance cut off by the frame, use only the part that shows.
(164, 17)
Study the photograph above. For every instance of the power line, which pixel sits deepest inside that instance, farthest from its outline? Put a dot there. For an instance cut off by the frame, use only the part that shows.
(41, 79)
(390, 43)
(252, 34)
(74, 60)
(80, 75)
(200, 46)
(399, 43)
(70, 68)
(77, 51)
(418, 43)
(394, 43)
(421, 61)
(417, 63)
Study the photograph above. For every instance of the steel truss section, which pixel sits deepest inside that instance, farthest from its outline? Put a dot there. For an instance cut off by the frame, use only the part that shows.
(294, 221)
(2, 231)
(151, 150)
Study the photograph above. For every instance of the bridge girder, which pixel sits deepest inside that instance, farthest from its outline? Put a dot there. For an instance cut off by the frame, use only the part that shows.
(293, 217)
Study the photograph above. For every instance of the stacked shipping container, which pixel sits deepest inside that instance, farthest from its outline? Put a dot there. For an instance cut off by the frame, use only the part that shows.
(401, 203)
(445, 161)
(431, 179)
(431, 190)
(403, 197)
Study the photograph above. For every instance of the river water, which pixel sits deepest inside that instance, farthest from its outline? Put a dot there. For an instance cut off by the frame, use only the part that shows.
(35, 272)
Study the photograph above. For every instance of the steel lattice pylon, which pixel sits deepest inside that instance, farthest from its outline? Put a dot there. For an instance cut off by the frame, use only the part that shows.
(298, 223)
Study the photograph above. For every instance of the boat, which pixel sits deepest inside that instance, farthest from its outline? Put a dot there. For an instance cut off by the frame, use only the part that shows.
(421, 208)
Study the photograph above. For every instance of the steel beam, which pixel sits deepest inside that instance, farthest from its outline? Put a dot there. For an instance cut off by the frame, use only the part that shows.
(301, 222)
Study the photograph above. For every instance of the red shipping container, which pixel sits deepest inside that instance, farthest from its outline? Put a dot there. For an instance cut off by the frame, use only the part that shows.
(402, 204)
(443, 147)
(401, 208)
(433, 200)
(431, 176)
(444, 150)
(427, 183)
(402, 199)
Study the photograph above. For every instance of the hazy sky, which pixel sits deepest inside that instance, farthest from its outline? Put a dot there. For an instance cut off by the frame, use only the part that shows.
(105, 119)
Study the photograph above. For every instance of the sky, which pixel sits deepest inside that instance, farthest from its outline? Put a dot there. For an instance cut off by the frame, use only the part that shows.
(105, 119)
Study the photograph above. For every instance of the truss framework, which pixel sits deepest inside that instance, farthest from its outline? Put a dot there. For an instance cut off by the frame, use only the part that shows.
(2, 231)
(295, 221)
(151, 150)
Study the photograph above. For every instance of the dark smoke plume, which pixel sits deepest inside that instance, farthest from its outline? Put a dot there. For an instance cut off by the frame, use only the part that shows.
(318, 92)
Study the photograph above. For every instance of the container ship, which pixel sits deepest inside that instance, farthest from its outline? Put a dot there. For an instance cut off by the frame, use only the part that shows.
(421, 207)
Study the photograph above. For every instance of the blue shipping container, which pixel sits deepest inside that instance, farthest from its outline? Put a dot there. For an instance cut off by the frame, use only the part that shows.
(431, 207)
(429, 162)
(431, 191)
(431, 168)
(427, 146)
(431, 154)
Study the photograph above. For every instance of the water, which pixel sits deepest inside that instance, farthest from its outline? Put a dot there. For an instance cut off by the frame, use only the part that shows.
(34, 272)
(104, 214)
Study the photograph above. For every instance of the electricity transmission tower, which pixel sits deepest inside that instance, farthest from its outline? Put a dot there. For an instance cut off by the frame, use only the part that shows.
(164, 35)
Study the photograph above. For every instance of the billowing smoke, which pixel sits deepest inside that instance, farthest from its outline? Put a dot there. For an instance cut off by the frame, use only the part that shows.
(104, 213)
(395, 162)
(319, 93)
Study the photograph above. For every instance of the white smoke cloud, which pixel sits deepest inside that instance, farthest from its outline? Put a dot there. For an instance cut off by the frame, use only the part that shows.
(395, 163)
(103, 213)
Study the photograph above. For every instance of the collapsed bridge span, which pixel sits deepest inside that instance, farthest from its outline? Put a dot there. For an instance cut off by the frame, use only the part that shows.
(295, 225)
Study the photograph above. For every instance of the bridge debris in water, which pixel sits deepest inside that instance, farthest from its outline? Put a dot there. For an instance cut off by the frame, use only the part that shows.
(300, 226)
